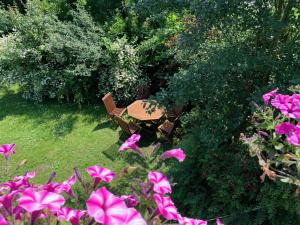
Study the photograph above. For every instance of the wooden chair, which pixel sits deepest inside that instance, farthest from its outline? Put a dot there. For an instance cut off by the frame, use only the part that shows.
(111, 107)
(129, 128)
(174, 113)
(167, 126)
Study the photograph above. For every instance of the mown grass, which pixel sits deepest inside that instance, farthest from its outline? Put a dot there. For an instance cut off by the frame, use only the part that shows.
(57, 137)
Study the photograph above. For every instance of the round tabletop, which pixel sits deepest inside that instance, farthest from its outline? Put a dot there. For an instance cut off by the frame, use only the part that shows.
(145, 110)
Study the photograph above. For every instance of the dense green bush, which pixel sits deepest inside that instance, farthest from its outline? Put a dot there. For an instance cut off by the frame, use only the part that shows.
(51, 58)
(231, 53)
(122, 76)
(5, 22)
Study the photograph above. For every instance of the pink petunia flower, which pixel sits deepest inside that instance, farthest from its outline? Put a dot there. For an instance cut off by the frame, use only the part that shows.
(218, 221)
(67, 185)
(190, 221)
(160, 182)
(130, 200)
(294, 138)
(18, 182)
(290, 110)
(100, 173)
(58, 188)
(32, 200)
(17, 212)
(133, 217)
(166, 207)
(280, 100)
(267, 96)
(106, 208)
(177, 153)
(3, 220)
(130, 143)
(6, 201)
(295, 99)
(285, 128)
(70, 215)
(7, 149)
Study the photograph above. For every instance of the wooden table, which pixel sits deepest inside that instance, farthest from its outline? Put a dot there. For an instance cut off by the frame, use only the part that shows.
(145, 110)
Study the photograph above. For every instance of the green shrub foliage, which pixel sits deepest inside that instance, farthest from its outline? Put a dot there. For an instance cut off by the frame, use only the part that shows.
(232, 52)
(51, 58)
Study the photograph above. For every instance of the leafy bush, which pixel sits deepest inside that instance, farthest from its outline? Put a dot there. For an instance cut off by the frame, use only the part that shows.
(65, 60)
(123, 76)
(5, 22)
(230, 53)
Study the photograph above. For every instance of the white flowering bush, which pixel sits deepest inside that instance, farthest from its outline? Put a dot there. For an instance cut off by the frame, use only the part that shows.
(65, 59)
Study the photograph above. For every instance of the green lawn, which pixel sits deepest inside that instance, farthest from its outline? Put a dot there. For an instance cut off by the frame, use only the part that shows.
(57, 137)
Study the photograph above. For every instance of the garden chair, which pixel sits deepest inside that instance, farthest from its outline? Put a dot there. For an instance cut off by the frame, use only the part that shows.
(167, 126)
(174, 113)
(111, 107)
(129, 128)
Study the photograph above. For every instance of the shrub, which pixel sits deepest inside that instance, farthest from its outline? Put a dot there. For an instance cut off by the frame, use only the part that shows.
(122, 76)
(66, 60)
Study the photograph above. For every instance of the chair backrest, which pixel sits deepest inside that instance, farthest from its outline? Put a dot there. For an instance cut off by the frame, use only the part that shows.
(122, 123)
(178, 110)
(109, 102)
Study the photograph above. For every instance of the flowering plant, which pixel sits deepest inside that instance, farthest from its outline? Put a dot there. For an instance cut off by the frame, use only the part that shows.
(22, 202)
(275, 137)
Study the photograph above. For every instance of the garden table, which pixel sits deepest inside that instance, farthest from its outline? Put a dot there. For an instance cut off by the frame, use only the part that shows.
(145, 110)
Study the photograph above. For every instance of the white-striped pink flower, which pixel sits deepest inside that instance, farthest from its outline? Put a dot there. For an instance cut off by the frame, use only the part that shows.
(160, 182)
(218, 221)
(3, 220)
(166, 207)
(100, 174)
(130, 143)
(133, 218)
(177, 153)
(7, 149)
(190, 221)
(106, 208)
(70, 215)
(32, 200)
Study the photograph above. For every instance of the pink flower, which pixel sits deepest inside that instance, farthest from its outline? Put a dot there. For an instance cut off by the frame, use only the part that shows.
(3, 221)
(18, 182)
(133, 218)
(295, 99)
(33, 201)
(267, 96)
(174, 153)
(67, 185)
(26, 177)
(130, 143)
(280, 100)
(7, 149)
(285, 128)
(190, 221)
(294, 138)
(7, 201)
(130, 200)
(166, 207)
(100, 173)
(290, 110)
(160, 182)
(106, 208)
(218, 221)
(70, 215)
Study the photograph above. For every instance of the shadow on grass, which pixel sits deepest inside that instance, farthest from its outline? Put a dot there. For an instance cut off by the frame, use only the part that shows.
(63, 115)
